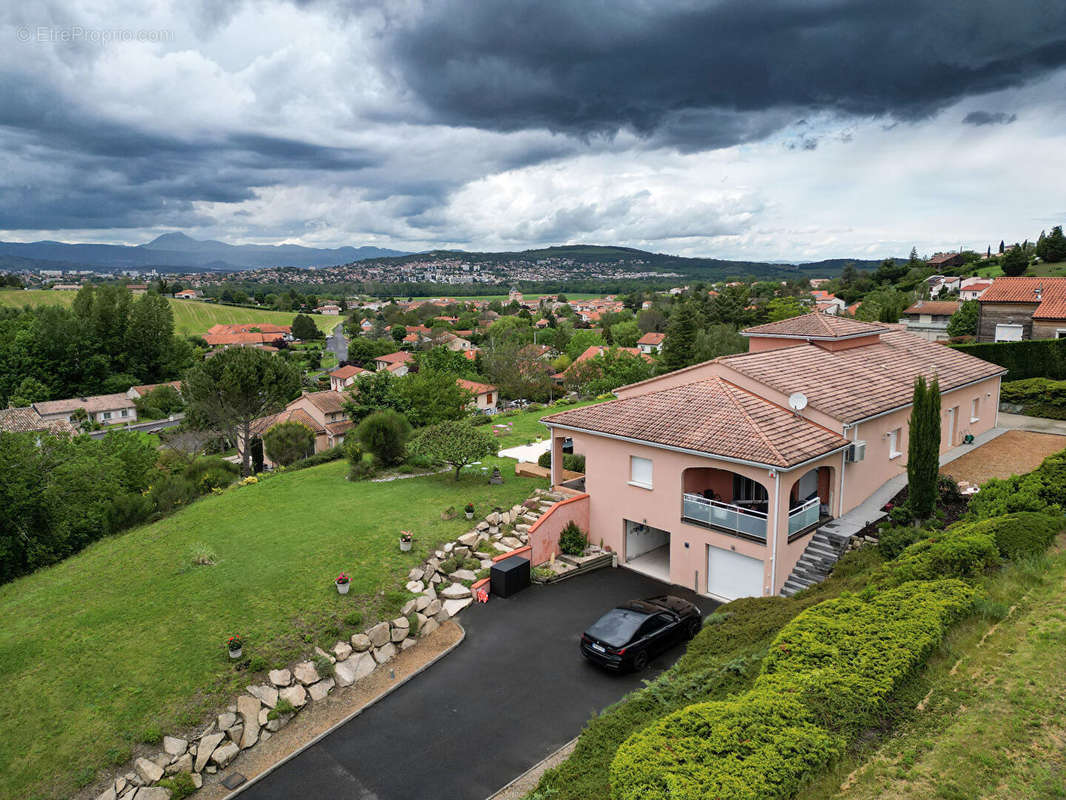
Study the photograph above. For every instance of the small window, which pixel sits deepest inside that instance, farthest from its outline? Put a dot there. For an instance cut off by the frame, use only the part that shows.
(107, 415)
(895, 438)
(975, 409)
(640, 471)
(125, 412)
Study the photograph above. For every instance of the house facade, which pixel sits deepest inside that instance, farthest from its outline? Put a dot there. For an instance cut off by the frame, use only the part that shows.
(1014, 309)
(485, 396)
(322, 412)
(929, 319)
(106, 409)
(716, 476)
(343, 377)
(398, 363)
(651, 342)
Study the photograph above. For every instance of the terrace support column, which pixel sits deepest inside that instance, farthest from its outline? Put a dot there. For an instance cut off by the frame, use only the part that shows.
(557, 460)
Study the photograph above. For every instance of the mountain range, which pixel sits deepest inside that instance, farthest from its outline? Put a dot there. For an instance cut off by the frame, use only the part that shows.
(176, 251)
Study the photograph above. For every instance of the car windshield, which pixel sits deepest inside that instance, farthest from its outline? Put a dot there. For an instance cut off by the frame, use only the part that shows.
(617, 626)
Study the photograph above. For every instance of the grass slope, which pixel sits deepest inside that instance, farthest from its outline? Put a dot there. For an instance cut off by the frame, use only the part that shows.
(127, 636)
(526, 426)
(988, 717)
(190, 316)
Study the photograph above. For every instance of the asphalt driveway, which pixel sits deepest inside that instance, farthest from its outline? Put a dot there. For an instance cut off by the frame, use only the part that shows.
(513, 692)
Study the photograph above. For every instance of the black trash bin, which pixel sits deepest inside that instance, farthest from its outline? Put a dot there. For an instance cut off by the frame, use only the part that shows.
(509, 575)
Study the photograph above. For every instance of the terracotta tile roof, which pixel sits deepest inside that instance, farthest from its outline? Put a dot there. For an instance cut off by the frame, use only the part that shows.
(815, 325)
(263, 424)
(348, 371)
(222, 339)
(710, 416)
(1051, 308)
(1052, 300)
(246, 327)
(26, 420)
(651, 337)
(400, 357)
(92, 405)
(340, 428)
(148, 387)
(859, 382)
(939, 308)
(328, 402)
(474, 387)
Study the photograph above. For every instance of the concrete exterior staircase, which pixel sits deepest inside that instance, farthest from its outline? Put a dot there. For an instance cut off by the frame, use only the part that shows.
(818, 559)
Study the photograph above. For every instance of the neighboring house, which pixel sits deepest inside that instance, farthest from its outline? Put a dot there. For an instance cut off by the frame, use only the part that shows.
(322, 412)
(827, 303)
(943, 284)
(67, 287)
(973, 288)
(107, 409)
(485, 396)
(929, 318)
(247, 334)
(817, 283)
(343, 377)
(397, 363)
(27, 420)
(943, 260)
(597, 350)
(708, 478)
(329, 309)
(452, 342)
(651, 342)
(1013, 309)
(137, 288)
(541, 323)
(137, 392)
(186, 294)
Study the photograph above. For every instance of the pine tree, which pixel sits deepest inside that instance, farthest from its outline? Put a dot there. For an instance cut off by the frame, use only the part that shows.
(680, 343)
(923, 449)
(1001, 247)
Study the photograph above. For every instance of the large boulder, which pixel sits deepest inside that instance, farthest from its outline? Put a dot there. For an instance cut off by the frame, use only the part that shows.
(183, 764)
(152, 793)
(306, 673)
(225, 754)
(414, 587)
(297, 695)
(455, 592)
(148, 771)
(358, 666)
(428, 628)
(318, 691)
(453, 607)
(205, 748)
(461, 552)
(108, 794)
(226, 720)
(493, 518)
(469, 539)
(415, 574)
(409, 607)
(174, 746)
(384, 653)
(379, 634)
(463, 575)
(400, 628)
(421, 602)
(267, 695)
(511, 542)
(433, 608)
(248, 707)
(341, 650)
(360, 642)
(280, 677)
(430, 592)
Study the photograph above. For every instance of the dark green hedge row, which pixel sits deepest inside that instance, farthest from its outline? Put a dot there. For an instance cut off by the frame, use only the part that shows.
(1041, 358)
(1039, 397)
(826, 675)
(1042, 490)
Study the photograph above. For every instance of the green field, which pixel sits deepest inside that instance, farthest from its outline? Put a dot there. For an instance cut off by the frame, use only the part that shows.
(526, 426)
(127, 638)
(1053, 270)
(190, 316)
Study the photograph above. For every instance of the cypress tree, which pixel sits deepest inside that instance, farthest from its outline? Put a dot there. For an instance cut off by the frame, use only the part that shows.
(680, 343)
(923, 452)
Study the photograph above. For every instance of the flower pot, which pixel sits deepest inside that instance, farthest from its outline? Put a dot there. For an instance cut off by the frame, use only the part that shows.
(342, 588)
(235, 654)
(469, 514)
(405, 546)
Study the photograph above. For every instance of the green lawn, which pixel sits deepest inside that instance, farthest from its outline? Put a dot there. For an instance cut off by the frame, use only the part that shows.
(128, 637)
(1053, 270)
(190, 316)
(526, 425)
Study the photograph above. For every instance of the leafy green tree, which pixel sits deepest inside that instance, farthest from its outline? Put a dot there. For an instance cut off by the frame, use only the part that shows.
(718, 340)
(679, 347)
(230, 391)
(884, 305)
(287, 442)
(1014, 262)
(785, 308)
(509, 329)
(304, 328)
(923, 449)
(651, 320)
(368, 394)
(398, 332)
(427, 397)
(581, 341)
(964, 321)
(456, 443)
(149, 336)
(1052, 248)
(625, 334)
(30, 391)
(441, 359)
(385, 434)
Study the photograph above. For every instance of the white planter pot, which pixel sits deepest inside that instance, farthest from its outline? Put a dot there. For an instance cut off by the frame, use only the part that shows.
(405, 546)
(235, 654)
(342, 588)
(469, 514)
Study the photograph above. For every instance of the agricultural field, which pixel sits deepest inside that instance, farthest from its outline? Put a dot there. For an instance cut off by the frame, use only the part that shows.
(190, 316)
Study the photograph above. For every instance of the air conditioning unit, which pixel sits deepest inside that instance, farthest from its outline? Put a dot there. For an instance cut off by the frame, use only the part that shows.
(855, 452)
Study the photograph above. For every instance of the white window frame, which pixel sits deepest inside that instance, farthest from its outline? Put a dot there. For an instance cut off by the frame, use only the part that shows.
(646, 468)
(894, 441)
(107, 415)
(975, 409)
(1012, 326)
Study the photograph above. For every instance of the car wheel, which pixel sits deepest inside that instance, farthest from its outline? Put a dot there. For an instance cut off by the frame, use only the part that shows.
(640, 661)
(692, 628)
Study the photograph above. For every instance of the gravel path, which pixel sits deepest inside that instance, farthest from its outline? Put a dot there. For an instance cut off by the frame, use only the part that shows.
(1014, 453)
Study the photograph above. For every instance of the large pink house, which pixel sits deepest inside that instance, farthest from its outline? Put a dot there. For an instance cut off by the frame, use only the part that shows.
(717, 476)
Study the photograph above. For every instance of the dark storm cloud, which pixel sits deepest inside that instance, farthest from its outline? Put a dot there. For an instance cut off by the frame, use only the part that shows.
(989, 118)
(592, 68)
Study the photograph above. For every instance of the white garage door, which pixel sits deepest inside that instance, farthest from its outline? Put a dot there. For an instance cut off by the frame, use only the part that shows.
(731, 575)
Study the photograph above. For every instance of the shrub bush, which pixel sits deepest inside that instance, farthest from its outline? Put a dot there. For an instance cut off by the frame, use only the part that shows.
(1039, 397)
(825, 676)
(1038, 358)
(574, 462)
(214, 479)
(1042, 490)
(180, 785)
(893, 540)
(333, 454)
(171, 491)
(573, 540)
(955, 553)
(385, 434)
(1021, 534)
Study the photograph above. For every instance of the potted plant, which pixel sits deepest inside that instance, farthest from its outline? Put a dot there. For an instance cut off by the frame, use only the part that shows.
(234, 644)
(405, 540)
(469, 510)
(343, 583)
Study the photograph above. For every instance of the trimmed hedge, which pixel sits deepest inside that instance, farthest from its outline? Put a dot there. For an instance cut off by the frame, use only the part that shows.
(1021, 534)
(1040, 358)
(332, 454)
(827, 674)
(571, 461)
(1039, 397)
(1042, 490)
(959, 552)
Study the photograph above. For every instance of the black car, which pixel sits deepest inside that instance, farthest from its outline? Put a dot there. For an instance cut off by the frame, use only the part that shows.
(627, 637)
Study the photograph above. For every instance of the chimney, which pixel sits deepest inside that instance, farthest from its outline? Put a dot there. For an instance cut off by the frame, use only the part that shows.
(1039, 291)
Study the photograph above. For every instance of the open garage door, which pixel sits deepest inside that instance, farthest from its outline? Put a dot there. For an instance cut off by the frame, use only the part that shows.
(731, 575)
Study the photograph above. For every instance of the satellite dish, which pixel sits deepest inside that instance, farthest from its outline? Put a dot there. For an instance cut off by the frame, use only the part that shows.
(797, 401)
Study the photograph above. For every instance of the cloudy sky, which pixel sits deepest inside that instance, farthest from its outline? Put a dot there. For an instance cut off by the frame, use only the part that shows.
(764, 129)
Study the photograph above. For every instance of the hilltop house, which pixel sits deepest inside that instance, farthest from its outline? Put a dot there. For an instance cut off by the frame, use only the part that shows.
(186, 294)
(1013, 309)
(929, 318)
(137, 392)
(322, 412)
(716, 476)
(107, 409)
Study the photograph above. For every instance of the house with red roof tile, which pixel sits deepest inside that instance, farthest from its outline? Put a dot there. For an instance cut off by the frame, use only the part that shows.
(717, 476)
(397, 363)
(1013, 309)
(651, 342)
(929, 318)
(321, 412)
(343, 377)
(484, 396)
